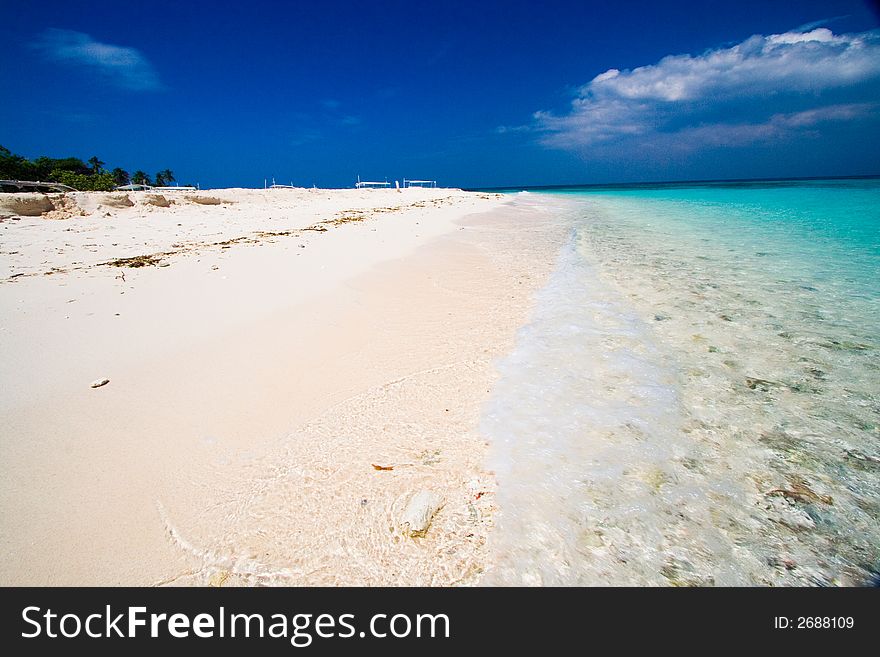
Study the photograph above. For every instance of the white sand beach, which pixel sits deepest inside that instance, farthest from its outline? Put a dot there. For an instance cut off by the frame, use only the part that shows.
(287, 369)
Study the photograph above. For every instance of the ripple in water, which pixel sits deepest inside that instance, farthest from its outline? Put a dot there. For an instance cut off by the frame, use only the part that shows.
(696, 399)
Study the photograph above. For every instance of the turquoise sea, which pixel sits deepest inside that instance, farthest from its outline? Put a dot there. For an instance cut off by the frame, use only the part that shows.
(696, 398)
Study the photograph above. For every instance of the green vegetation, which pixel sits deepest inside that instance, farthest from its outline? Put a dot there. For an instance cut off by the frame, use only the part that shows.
(96, 164)
(72, 171)
(96, 182)
(140, 178)
(164, 177)
(120, 176)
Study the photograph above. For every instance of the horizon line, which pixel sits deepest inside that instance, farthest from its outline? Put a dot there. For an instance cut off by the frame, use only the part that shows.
(676, 182)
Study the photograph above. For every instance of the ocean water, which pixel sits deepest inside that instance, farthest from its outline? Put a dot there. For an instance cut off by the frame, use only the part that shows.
(696, 398)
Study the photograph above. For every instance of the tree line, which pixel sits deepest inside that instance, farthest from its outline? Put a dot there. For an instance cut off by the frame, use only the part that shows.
(72, 171)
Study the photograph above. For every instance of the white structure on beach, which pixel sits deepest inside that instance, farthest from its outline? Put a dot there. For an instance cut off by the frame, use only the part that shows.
(275, 185)
(33, 186)
(366, 184)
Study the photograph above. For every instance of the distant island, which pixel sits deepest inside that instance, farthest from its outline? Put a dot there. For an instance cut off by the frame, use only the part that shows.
(90, 175)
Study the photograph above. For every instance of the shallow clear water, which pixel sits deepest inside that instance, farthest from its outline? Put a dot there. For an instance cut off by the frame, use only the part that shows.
(697, 397)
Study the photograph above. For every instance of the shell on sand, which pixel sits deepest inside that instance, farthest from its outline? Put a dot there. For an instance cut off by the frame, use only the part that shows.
(419, 511)
(100, 382)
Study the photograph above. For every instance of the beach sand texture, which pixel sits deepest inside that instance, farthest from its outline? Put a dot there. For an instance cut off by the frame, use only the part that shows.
(288, 370)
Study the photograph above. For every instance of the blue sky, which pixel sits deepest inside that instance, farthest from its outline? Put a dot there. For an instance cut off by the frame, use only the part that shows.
(472, 93)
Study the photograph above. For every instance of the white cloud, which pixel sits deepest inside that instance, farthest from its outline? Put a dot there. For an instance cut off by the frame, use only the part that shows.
(126, 67)
(503, 129)
(764, 87)
(778, 126)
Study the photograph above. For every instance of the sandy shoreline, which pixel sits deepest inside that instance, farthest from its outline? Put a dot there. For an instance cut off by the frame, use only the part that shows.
(254, 383)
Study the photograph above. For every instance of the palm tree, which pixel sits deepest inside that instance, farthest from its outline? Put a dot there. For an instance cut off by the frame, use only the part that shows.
(96, 164)
(120, 176)
(164, 177)
(140, 178)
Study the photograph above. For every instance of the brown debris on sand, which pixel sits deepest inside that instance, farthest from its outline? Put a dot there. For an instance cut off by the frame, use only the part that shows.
(225, 244)
(346, 218)
(278, 233)
(117, 201)
(135, 261)
(158, 200)
(206, 200)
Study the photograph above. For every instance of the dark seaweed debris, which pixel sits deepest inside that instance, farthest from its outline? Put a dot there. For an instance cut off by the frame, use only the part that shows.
(136, 261)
